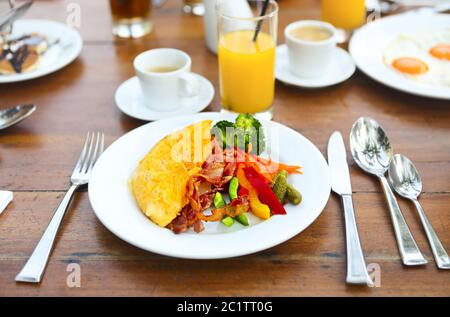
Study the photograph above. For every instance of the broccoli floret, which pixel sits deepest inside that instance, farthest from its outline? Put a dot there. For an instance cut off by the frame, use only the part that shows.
(247, 130)
(247, 121)
(250, 130)
(224, 139)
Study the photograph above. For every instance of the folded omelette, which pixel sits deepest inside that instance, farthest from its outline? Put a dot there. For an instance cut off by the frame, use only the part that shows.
(159, 183)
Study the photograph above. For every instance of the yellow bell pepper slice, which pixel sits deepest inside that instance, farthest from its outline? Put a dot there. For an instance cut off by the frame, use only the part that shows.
(256, 206)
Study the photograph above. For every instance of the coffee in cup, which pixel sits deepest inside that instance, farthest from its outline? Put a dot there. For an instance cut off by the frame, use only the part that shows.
(310, 47)
(162, 69)
(165, 78)
(311, 33)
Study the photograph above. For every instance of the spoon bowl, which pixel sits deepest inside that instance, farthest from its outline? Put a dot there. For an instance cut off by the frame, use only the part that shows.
(406, 181)
(14, 115)
(370, 146)
(372, 151)
(404, 177)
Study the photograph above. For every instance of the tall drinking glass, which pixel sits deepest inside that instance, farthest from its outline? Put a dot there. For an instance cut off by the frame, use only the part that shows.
(247, 57)
(131, 18)
(195, 7)
(345, 15)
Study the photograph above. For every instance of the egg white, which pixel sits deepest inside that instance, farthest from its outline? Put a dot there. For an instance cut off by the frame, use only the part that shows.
(417, 46)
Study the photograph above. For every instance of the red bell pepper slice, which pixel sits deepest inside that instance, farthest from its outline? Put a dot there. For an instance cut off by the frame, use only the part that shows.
(265, 193)
(242, 191)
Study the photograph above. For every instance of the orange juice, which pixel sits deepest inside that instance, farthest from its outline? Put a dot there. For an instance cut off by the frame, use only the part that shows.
(344, 14)
(247, 79)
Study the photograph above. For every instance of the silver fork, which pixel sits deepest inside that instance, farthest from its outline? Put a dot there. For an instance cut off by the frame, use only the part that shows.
(35, 266)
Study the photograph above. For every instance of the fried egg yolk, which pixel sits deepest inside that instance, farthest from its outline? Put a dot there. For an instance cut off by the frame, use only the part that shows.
(410, 65)
(441, 51)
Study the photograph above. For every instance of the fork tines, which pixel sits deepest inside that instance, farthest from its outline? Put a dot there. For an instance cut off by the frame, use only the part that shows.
(92, 149)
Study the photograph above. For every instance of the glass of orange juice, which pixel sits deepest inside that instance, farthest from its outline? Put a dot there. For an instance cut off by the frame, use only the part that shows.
(247, 56)
(345, 15)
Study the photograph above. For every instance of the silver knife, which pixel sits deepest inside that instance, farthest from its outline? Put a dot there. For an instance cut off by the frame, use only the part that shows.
(340, 184)
(14, 14)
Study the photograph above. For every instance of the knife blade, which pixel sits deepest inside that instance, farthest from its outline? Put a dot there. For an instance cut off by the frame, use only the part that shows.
(337, 160)
(340, 183)
(5, 198)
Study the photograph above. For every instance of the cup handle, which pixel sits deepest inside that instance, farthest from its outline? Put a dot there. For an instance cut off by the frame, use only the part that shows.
(190, 86)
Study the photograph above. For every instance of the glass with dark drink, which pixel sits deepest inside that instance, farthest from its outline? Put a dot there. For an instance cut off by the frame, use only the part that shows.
(131, 18)
(194, 7)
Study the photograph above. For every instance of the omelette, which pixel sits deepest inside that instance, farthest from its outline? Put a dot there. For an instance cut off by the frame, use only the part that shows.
(159, 183)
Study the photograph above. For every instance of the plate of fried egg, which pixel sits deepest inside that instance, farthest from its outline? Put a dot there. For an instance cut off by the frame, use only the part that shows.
(37, 48)
(409, 52)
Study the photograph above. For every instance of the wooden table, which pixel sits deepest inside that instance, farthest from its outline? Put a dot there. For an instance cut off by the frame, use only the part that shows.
(37, 157)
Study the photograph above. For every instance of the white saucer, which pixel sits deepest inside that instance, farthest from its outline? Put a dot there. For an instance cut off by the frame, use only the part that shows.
(340, 69)
(129, 99)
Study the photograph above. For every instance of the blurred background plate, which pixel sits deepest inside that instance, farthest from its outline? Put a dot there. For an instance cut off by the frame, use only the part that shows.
(66, 47)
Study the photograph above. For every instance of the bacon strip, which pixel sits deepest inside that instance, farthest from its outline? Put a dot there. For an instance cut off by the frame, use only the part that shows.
(236, 207)
(217, 172)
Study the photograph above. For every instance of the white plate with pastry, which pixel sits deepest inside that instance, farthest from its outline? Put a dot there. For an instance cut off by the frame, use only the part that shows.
(37, 48)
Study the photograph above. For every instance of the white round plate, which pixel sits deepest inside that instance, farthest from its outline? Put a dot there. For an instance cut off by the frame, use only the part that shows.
(115, 207)
(129, 100)
(367, 45)
(340, 69)
(59, 55)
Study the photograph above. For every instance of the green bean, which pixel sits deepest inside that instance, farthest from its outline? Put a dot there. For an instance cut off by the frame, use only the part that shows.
(242, 219)
(233, 188)
(219, 202)
(228, 221)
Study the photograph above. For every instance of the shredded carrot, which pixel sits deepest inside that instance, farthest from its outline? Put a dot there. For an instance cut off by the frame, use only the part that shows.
(265, 167)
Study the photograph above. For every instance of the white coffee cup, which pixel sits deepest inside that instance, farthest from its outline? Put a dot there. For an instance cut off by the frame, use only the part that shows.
(309, 58)
(163, 90)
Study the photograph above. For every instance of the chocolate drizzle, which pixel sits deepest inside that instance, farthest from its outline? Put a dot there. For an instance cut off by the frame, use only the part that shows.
(19, 58)
(17, 51)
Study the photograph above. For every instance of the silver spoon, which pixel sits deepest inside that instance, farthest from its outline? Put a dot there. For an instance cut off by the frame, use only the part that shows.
(406, 181)
(14, 115)
(372, 151)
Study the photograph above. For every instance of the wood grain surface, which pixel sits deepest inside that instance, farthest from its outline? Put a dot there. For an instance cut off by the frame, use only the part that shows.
(37, 157)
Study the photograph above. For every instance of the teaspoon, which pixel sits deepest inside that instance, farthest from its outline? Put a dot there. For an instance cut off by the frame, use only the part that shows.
(372, 151)
(406, 181)
(14, 115)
